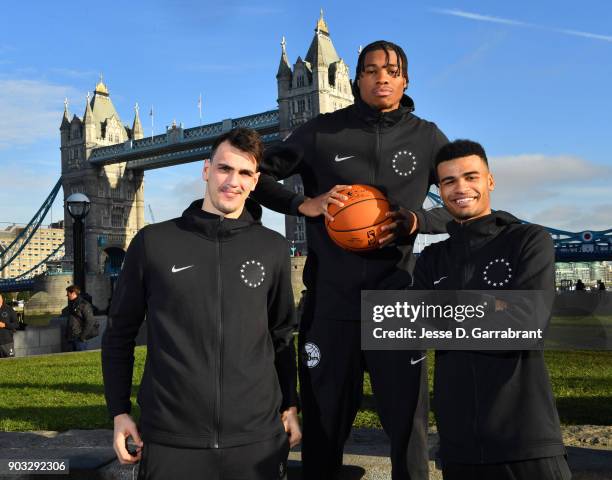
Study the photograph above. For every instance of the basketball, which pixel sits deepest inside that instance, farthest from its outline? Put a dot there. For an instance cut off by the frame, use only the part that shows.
(356, 226)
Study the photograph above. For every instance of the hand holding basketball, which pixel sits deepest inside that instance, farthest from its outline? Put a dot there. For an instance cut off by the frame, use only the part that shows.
(313, 207)
(404, 223)
(358, 221)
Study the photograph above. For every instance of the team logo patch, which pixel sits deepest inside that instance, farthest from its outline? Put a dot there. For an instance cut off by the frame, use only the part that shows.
(312, 354)
(404, 163)
(4, 314)
(497, 273)
(281, 470)
(252, 273)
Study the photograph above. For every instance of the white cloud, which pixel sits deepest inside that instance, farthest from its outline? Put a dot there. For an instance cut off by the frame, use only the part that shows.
(516, 23)
(468, 59)
(31, 110)
(564, 191)
(576, 218)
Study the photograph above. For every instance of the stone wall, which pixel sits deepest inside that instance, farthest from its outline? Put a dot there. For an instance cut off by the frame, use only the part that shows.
(51, 339)
(38, 341)
(297, 268)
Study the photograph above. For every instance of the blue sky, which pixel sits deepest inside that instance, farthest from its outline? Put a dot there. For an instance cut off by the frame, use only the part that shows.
(529, 80)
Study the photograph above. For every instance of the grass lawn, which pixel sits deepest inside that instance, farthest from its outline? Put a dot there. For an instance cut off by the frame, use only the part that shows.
(61, 392)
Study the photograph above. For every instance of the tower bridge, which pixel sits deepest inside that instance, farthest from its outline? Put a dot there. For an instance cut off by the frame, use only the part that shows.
(106, 160)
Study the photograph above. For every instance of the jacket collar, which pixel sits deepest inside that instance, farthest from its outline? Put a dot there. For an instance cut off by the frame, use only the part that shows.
(479, 230)
(216, 227)
(385, 119)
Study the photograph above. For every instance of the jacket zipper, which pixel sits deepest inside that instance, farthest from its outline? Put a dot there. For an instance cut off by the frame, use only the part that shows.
(476, 435)
(219, 344)
(378, 158)
(373, 175)
(473, 364)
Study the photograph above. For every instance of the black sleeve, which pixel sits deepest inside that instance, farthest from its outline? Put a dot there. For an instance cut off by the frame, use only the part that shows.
(88, 318)
(421, 279)
(126, 314)
(12, 323)
(282, 323)
(281, 161)
(536, 267)
(535, 271)
(434, 221)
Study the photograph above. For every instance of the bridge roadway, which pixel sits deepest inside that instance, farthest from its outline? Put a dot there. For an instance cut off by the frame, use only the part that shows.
(183, 145)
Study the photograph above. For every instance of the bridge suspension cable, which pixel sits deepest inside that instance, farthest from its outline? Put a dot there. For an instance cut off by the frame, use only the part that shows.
(56, 252)
(16, 247)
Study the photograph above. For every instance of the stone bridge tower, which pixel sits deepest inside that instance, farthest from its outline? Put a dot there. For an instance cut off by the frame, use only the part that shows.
(116, 194)
(320, 83)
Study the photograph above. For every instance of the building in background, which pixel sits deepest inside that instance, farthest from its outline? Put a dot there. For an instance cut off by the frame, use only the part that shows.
(44, 242)
(319, 83)
(588, 272)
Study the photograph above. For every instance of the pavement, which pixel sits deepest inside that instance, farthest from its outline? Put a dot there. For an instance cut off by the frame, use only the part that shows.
(91, 456)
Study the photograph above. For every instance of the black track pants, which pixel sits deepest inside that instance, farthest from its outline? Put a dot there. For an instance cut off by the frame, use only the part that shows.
(549, 468)
(265, 460)
(331, 379)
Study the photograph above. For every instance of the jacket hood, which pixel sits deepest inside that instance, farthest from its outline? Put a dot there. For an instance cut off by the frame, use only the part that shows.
(373, 116)
(215, 226)
(480, 228)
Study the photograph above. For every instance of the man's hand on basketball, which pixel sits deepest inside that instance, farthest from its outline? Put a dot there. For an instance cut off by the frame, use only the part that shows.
(125, 428)
(292, 426)
(313, 207)
(405, 223)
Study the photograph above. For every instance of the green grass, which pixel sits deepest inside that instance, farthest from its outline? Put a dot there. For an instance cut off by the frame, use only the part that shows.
(61, 392)
(56, 392)
(39, 320)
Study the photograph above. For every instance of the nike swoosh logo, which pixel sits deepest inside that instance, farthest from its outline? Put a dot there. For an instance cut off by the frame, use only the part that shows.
(341, 159)
(174, 269)
(439, 280)
(414, 362)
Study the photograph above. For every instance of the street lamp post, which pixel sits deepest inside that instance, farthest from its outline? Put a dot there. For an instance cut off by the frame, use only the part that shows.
(78, 208)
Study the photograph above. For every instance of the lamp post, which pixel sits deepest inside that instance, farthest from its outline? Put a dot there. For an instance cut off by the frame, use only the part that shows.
(78, 208)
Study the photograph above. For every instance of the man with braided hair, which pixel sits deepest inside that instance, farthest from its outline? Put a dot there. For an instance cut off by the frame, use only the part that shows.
(380, 142)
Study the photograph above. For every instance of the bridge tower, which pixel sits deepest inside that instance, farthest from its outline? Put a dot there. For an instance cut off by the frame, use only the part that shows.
(116, 194)
(320, 83)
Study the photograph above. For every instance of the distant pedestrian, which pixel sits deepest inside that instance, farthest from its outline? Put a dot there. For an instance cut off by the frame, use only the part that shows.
(81, 325)
(8, 326)
(601, 286)
(580, 286)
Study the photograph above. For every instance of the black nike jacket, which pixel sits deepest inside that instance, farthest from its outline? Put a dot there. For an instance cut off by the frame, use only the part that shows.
(218, 301)
(492, 406)
(392, 151)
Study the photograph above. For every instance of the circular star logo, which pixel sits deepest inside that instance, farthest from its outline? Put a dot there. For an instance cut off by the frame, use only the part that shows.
(404, 163)
(497, 273)
(312, 354)
(252, 273)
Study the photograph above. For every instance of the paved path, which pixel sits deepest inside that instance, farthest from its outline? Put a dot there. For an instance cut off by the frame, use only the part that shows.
(91, 456)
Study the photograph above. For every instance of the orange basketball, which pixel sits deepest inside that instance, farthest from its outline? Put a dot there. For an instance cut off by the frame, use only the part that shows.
(356, 226)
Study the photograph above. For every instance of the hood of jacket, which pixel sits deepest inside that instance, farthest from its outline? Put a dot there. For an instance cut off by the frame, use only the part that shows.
(479, 230)
(214, 226)
(373, 116)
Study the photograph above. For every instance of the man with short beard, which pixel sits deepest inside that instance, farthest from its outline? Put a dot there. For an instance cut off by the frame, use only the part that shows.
(380, 142)
(218, 395)
(495, 410)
